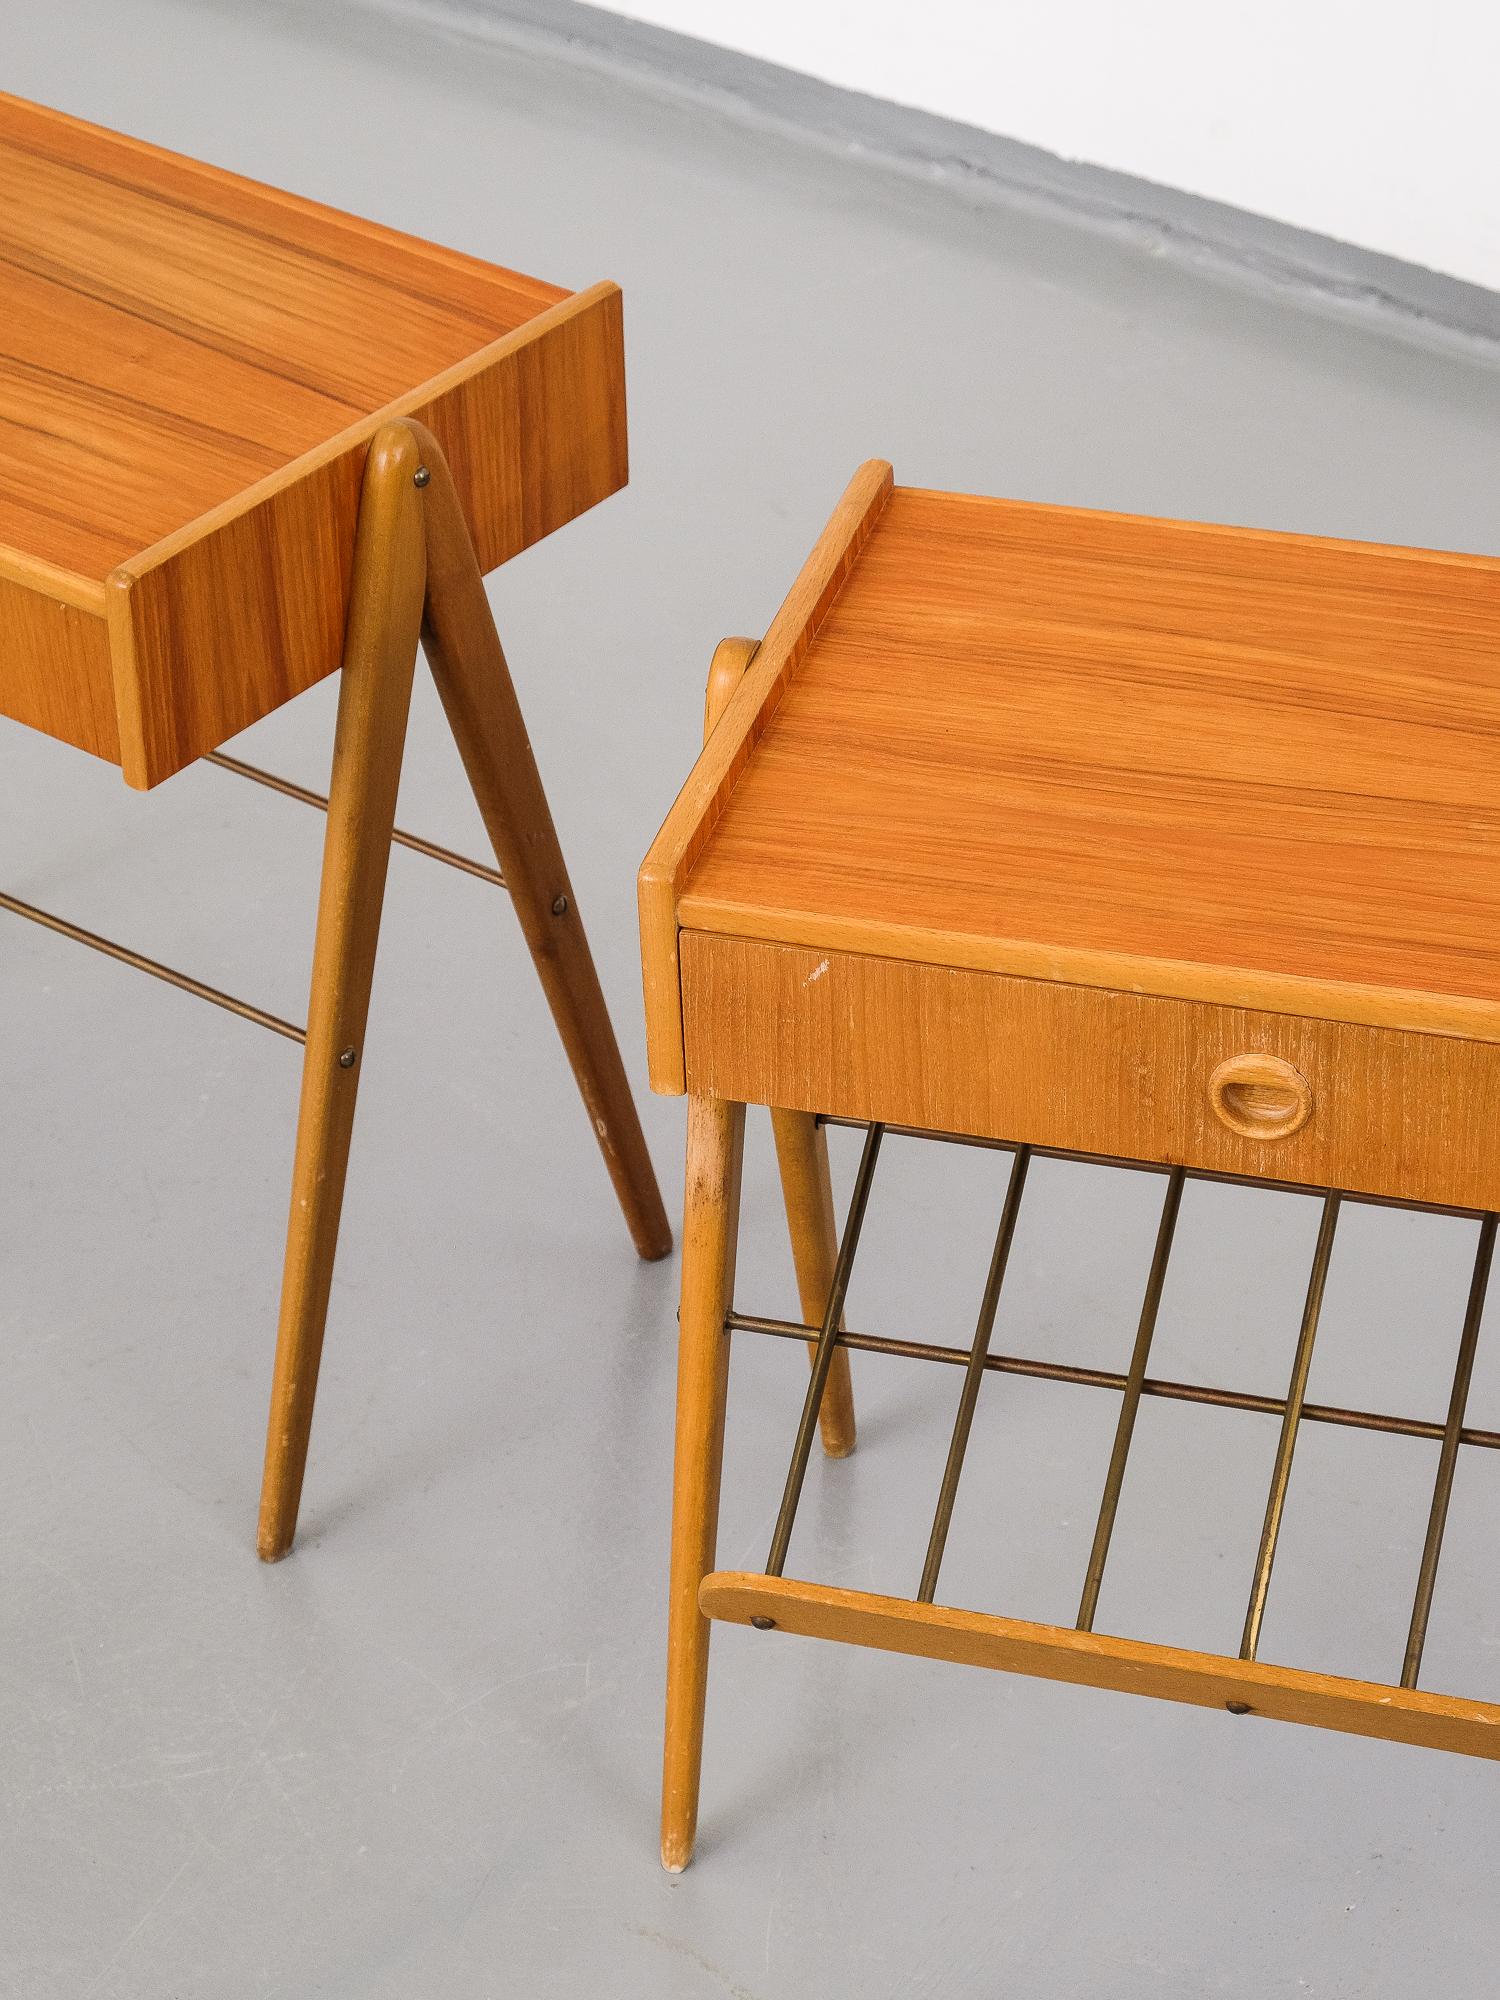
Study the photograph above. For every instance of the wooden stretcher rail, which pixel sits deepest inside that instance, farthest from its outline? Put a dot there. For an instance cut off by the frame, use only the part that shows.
(1091, 1659)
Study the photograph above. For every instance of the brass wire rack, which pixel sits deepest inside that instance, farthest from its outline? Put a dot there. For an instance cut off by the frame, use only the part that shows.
(1399, 1709)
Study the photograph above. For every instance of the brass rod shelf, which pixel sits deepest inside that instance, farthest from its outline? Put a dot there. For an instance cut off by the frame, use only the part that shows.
(1291, 1418)
(1110, 1378)
(827, 1339)
(1453, 1437)
(138, 962)
(1130, 1401)
(308, 797)
(978, 1358)
(973, 1376)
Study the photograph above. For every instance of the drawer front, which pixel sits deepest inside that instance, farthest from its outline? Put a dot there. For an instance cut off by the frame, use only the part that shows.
(1328, 1103)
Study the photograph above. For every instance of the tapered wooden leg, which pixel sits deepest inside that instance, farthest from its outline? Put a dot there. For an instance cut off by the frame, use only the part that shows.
(468, 664)
(710, 1226)
(380, 652)
(801, 1147)
(807, 1189)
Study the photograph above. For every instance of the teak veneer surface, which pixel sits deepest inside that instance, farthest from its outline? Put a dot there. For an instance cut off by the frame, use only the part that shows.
(191, 367)
(172, 333)
(1212, 762)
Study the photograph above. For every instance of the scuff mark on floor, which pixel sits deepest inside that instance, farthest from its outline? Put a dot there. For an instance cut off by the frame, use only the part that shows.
(684, 1950)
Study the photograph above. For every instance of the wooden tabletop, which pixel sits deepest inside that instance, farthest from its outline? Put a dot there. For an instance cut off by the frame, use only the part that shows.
(1172, 758)
(177, 346)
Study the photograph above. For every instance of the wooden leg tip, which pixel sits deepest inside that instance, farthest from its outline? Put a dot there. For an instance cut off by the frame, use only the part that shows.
(273, 1540)
(651, 1249)
(839, 1447)
(678, 1841)
(646, 1219)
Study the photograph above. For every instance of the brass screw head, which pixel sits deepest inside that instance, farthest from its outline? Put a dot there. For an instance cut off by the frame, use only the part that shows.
(421, 476)
(764, 1624)
(347, 1059)
(559, 906)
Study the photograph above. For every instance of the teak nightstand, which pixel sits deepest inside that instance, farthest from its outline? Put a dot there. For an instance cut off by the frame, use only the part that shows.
(1156, 843)
(248, 439)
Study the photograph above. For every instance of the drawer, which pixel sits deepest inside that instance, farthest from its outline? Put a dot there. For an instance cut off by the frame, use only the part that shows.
(1329, 1103)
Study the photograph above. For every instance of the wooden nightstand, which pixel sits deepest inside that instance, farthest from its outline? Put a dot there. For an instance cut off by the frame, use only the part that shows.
(248, 439)
(1072, 832)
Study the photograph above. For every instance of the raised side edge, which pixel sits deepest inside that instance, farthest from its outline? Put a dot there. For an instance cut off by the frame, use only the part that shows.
(1229, 531)
(266, 191)
(1091, 1659)
(146, 757)
(64, 586)
(130, 719)
(688, 825)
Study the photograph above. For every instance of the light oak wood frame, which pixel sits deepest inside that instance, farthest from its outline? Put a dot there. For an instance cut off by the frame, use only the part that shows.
(710, 1232)
(1091, 1659)
(715, 1153)
(415, 571)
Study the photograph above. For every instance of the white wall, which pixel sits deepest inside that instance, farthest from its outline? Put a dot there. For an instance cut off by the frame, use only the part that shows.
(1373, 121)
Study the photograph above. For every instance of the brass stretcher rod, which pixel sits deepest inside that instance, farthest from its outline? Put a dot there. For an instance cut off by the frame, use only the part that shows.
(1135, 1382)
(828, 1339)
(311, 798)
(968, 1400)
(139, 962)
(1110, 1378)
(1291, 1418)
(1453, 1436)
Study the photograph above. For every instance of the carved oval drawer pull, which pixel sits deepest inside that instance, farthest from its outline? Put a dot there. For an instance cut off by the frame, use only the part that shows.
(1260, 1097)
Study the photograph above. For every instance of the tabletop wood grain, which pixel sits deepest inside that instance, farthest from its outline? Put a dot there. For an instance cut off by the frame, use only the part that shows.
(1154, 755)
(173, 333)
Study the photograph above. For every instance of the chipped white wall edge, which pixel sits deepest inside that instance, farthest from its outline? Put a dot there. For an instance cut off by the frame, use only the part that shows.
(1370, 121)
(1402, 296)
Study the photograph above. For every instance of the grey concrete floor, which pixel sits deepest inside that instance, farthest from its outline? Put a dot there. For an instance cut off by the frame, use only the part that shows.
(420, 1757)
